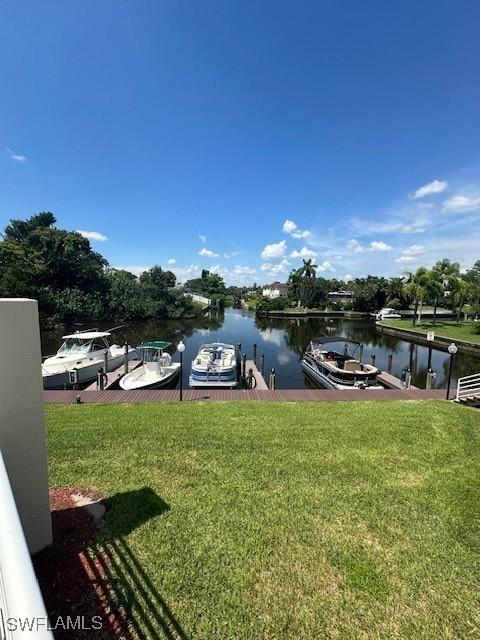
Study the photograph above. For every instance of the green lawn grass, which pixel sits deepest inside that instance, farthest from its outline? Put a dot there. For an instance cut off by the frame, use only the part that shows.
(451, 329)
(283, 520)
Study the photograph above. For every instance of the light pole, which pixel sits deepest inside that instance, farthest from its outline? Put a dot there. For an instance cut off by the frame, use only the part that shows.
(452, 350)
(181, 349)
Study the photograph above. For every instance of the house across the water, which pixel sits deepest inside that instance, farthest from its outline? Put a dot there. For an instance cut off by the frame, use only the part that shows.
(340, 297)
(275, 290)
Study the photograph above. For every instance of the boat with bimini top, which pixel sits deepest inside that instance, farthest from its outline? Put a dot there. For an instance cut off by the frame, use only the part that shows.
(339, 369)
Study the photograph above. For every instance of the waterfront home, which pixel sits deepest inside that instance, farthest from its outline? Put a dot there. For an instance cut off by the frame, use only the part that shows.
(275, 290)
(340, 297)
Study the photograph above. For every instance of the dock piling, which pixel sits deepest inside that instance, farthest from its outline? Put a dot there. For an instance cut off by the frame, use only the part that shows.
(408, 379)
(430, 378)
(262, 364)
(255, 352)
(389, 362)
(125, 358)
(361, 353)
(272, 380)
(372, 359)
(244, 365)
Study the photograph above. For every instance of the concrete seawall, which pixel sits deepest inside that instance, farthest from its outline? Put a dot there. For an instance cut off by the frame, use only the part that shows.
(440, 342)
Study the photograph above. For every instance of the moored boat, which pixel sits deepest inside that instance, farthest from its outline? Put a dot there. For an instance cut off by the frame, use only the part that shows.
(338, 369)
(216, 365)
(78, 359)
(386, 313)
(156, 371)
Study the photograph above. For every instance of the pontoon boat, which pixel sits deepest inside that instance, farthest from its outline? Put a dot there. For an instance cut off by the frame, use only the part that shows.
(216, 365)
(338, 369)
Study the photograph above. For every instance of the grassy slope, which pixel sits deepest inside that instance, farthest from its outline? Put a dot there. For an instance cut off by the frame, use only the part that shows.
(455, 331)
(332, 520)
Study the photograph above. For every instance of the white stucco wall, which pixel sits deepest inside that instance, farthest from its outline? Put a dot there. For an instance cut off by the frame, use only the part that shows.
(22, 427)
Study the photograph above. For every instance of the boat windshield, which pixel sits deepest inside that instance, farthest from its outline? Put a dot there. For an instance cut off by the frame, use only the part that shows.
(341, 348)
(74, 346)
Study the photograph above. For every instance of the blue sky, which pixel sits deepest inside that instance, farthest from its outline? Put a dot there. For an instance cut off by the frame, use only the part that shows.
(241, 136)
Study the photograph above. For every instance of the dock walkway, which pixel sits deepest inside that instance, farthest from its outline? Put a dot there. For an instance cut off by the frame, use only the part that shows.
(280, 395)
(261, 384)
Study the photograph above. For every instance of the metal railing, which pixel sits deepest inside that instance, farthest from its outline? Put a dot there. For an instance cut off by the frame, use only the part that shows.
(468, 386)
(197, 298)
(22, 610)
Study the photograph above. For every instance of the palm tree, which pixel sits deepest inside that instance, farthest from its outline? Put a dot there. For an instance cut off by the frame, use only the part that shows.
(416, 288)
(434, 289)
(308, 270)
(460, 294)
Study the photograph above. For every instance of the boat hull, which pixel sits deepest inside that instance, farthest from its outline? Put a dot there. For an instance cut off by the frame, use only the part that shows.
(85, 374)
(141, 385)
(327, 379)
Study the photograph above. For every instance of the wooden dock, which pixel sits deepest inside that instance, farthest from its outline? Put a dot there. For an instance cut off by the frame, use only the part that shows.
(114, 376)
(261, 384)
(391, 382)
(223, 395)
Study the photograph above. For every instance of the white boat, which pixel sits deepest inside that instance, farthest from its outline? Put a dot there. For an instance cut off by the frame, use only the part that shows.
(338, 369)
(386, 313)
(79, 358)
(216, 365)
(156, 371)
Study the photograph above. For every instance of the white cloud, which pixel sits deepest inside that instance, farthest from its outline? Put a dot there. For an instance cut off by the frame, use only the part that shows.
(379, 245)
(414, 250)
(207, 253)
(275, 269)
(172, 261)
(406, 259)
(347, 277)
(18, 157)
(355, 246)
(231, 254)
(461, 203)
(437, 186)
(93, 235)
(134, 268)
(272, 251)
(291, 228)
(303, 253)
(325, 266)
(243, 270)
(202, 239)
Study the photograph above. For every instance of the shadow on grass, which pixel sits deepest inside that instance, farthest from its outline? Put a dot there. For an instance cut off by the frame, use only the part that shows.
(104, 581)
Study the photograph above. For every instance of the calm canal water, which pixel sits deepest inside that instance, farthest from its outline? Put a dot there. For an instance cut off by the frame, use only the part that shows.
(282, 341)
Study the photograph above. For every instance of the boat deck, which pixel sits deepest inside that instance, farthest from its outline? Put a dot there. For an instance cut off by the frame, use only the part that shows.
(114, 376)
(280, 395)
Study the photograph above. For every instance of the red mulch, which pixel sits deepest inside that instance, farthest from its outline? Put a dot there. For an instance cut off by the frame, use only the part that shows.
(73, 581)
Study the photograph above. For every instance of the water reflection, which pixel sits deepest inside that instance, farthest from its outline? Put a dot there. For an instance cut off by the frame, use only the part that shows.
(282, 341)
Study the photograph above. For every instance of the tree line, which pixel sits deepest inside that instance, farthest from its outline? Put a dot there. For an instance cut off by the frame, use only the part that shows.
(443, 285)
(73, 283)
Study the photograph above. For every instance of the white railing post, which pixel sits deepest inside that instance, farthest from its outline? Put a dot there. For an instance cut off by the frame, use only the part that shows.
(22, 611)
(468, 386)
(22, 429)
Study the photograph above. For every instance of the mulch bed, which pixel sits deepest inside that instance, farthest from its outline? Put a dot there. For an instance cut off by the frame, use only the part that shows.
(73, 578)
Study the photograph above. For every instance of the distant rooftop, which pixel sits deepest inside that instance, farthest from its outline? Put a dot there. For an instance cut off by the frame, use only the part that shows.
(276, 285)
